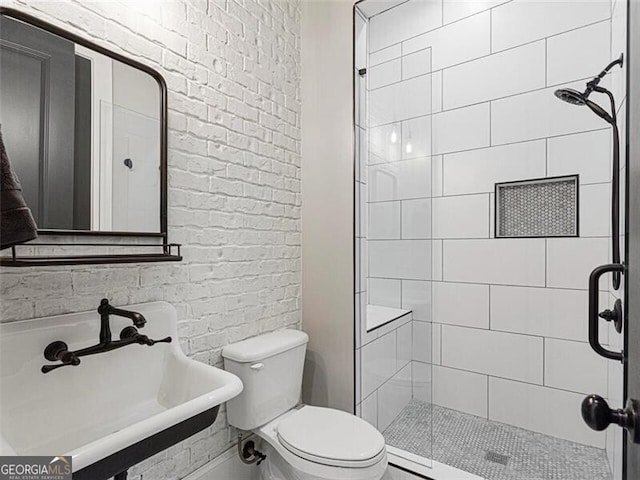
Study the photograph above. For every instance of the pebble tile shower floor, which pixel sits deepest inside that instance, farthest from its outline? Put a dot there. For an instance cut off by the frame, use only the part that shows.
(492, 450)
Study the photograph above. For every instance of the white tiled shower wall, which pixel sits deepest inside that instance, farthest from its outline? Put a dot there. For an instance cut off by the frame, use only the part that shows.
(232, 70)
(509, 315)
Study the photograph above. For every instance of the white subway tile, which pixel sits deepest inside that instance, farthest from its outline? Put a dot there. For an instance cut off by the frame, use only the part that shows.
(416, 137)
(463, 304)
(460, 390)
(464, 216)
(506, 355)
(400, 101)
(436, 91)
(436, 175)
(619, 46)
(422, 343)
(437, 259)
(456, 10)
(361, 108)
(406, 259)
(578, 54)
(586, 154)
(523, 21)
(358, 392)
(499, 75)
(360, 41)
(416, 64)
(538, 114)
(384, 55)
(361, 155)
(505, 261)
(595, 210)
(416, 219)
(547, 312)
(404, 21)
(378, 360)
(384, 292)
(571, 260)
(436, 332)
(393, 396)
(574, 366)
(384, 74)
(404, 344)
(385, 143)
(422, 381)
(456, 43)
(417, 297)
(478, 171)
(384, 220)
(544, 410)
(369, 409)
(400, 180)
(461, 129)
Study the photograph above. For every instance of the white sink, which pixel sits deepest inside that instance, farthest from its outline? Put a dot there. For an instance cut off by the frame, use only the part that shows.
(111, 400)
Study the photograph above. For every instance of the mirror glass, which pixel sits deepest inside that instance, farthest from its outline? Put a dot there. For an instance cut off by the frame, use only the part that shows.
(82, 132)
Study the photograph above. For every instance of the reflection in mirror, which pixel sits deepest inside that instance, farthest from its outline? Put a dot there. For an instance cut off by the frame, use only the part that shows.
(82, 132)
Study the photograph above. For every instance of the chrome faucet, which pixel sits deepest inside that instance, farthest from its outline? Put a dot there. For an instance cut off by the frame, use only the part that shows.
(59, 351)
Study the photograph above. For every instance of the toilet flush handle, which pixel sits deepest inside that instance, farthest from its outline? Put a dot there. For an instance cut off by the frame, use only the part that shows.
(257, 366)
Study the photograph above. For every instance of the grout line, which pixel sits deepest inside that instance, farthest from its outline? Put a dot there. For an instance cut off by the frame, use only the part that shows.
(488, 397)
(546, 63)
(545, 263)
(523, 382)
(475, 104)
(491, 31)
(490, 124)
(489, 306)
(463, 282)
(511, 332)
(477, 239)
(544, 342)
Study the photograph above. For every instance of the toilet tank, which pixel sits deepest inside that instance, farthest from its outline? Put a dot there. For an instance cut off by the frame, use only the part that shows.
(270, 367)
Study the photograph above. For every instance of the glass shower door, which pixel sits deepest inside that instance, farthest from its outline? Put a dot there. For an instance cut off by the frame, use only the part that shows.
(393, 118)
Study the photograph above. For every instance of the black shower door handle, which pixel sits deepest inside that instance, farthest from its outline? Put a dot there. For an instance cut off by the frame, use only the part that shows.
(594, 307)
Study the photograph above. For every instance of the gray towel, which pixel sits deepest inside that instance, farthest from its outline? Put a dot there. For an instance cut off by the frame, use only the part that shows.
(16, 222)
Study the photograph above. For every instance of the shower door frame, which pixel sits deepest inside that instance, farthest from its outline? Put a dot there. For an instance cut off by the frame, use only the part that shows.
(408, 466)
(631, 451)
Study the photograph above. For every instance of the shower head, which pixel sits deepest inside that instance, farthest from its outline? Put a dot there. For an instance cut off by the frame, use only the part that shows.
(571, 96)
(575, 97)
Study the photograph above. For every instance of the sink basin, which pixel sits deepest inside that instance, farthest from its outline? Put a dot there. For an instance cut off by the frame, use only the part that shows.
(115, 408)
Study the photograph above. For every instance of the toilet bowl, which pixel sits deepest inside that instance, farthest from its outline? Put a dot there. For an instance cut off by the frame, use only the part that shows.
(302, 442)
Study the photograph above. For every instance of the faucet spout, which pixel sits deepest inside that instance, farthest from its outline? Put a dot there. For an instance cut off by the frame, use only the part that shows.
(58, 351)
(105, 310)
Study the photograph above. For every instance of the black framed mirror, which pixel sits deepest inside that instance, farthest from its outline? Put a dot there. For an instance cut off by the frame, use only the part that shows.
(85, 130)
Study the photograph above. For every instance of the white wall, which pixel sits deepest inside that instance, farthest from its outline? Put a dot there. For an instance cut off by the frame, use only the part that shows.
(233, 76)
(327, 189)
(509, 315)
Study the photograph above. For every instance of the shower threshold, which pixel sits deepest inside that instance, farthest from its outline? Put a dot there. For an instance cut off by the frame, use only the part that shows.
(466, 447)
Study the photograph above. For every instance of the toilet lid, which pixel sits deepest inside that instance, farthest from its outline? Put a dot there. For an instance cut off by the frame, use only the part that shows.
(331, 437)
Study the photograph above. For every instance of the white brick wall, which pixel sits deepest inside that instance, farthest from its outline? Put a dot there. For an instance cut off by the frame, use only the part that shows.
(232, 70)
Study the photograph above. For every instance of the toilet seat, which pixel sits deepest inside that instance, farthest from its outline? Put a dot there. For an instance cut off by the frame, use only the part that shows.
(331, 437)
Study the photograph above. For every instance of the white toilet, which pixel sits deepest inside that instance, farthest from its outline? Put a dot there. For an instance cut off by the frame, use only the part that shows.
(301, 442)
